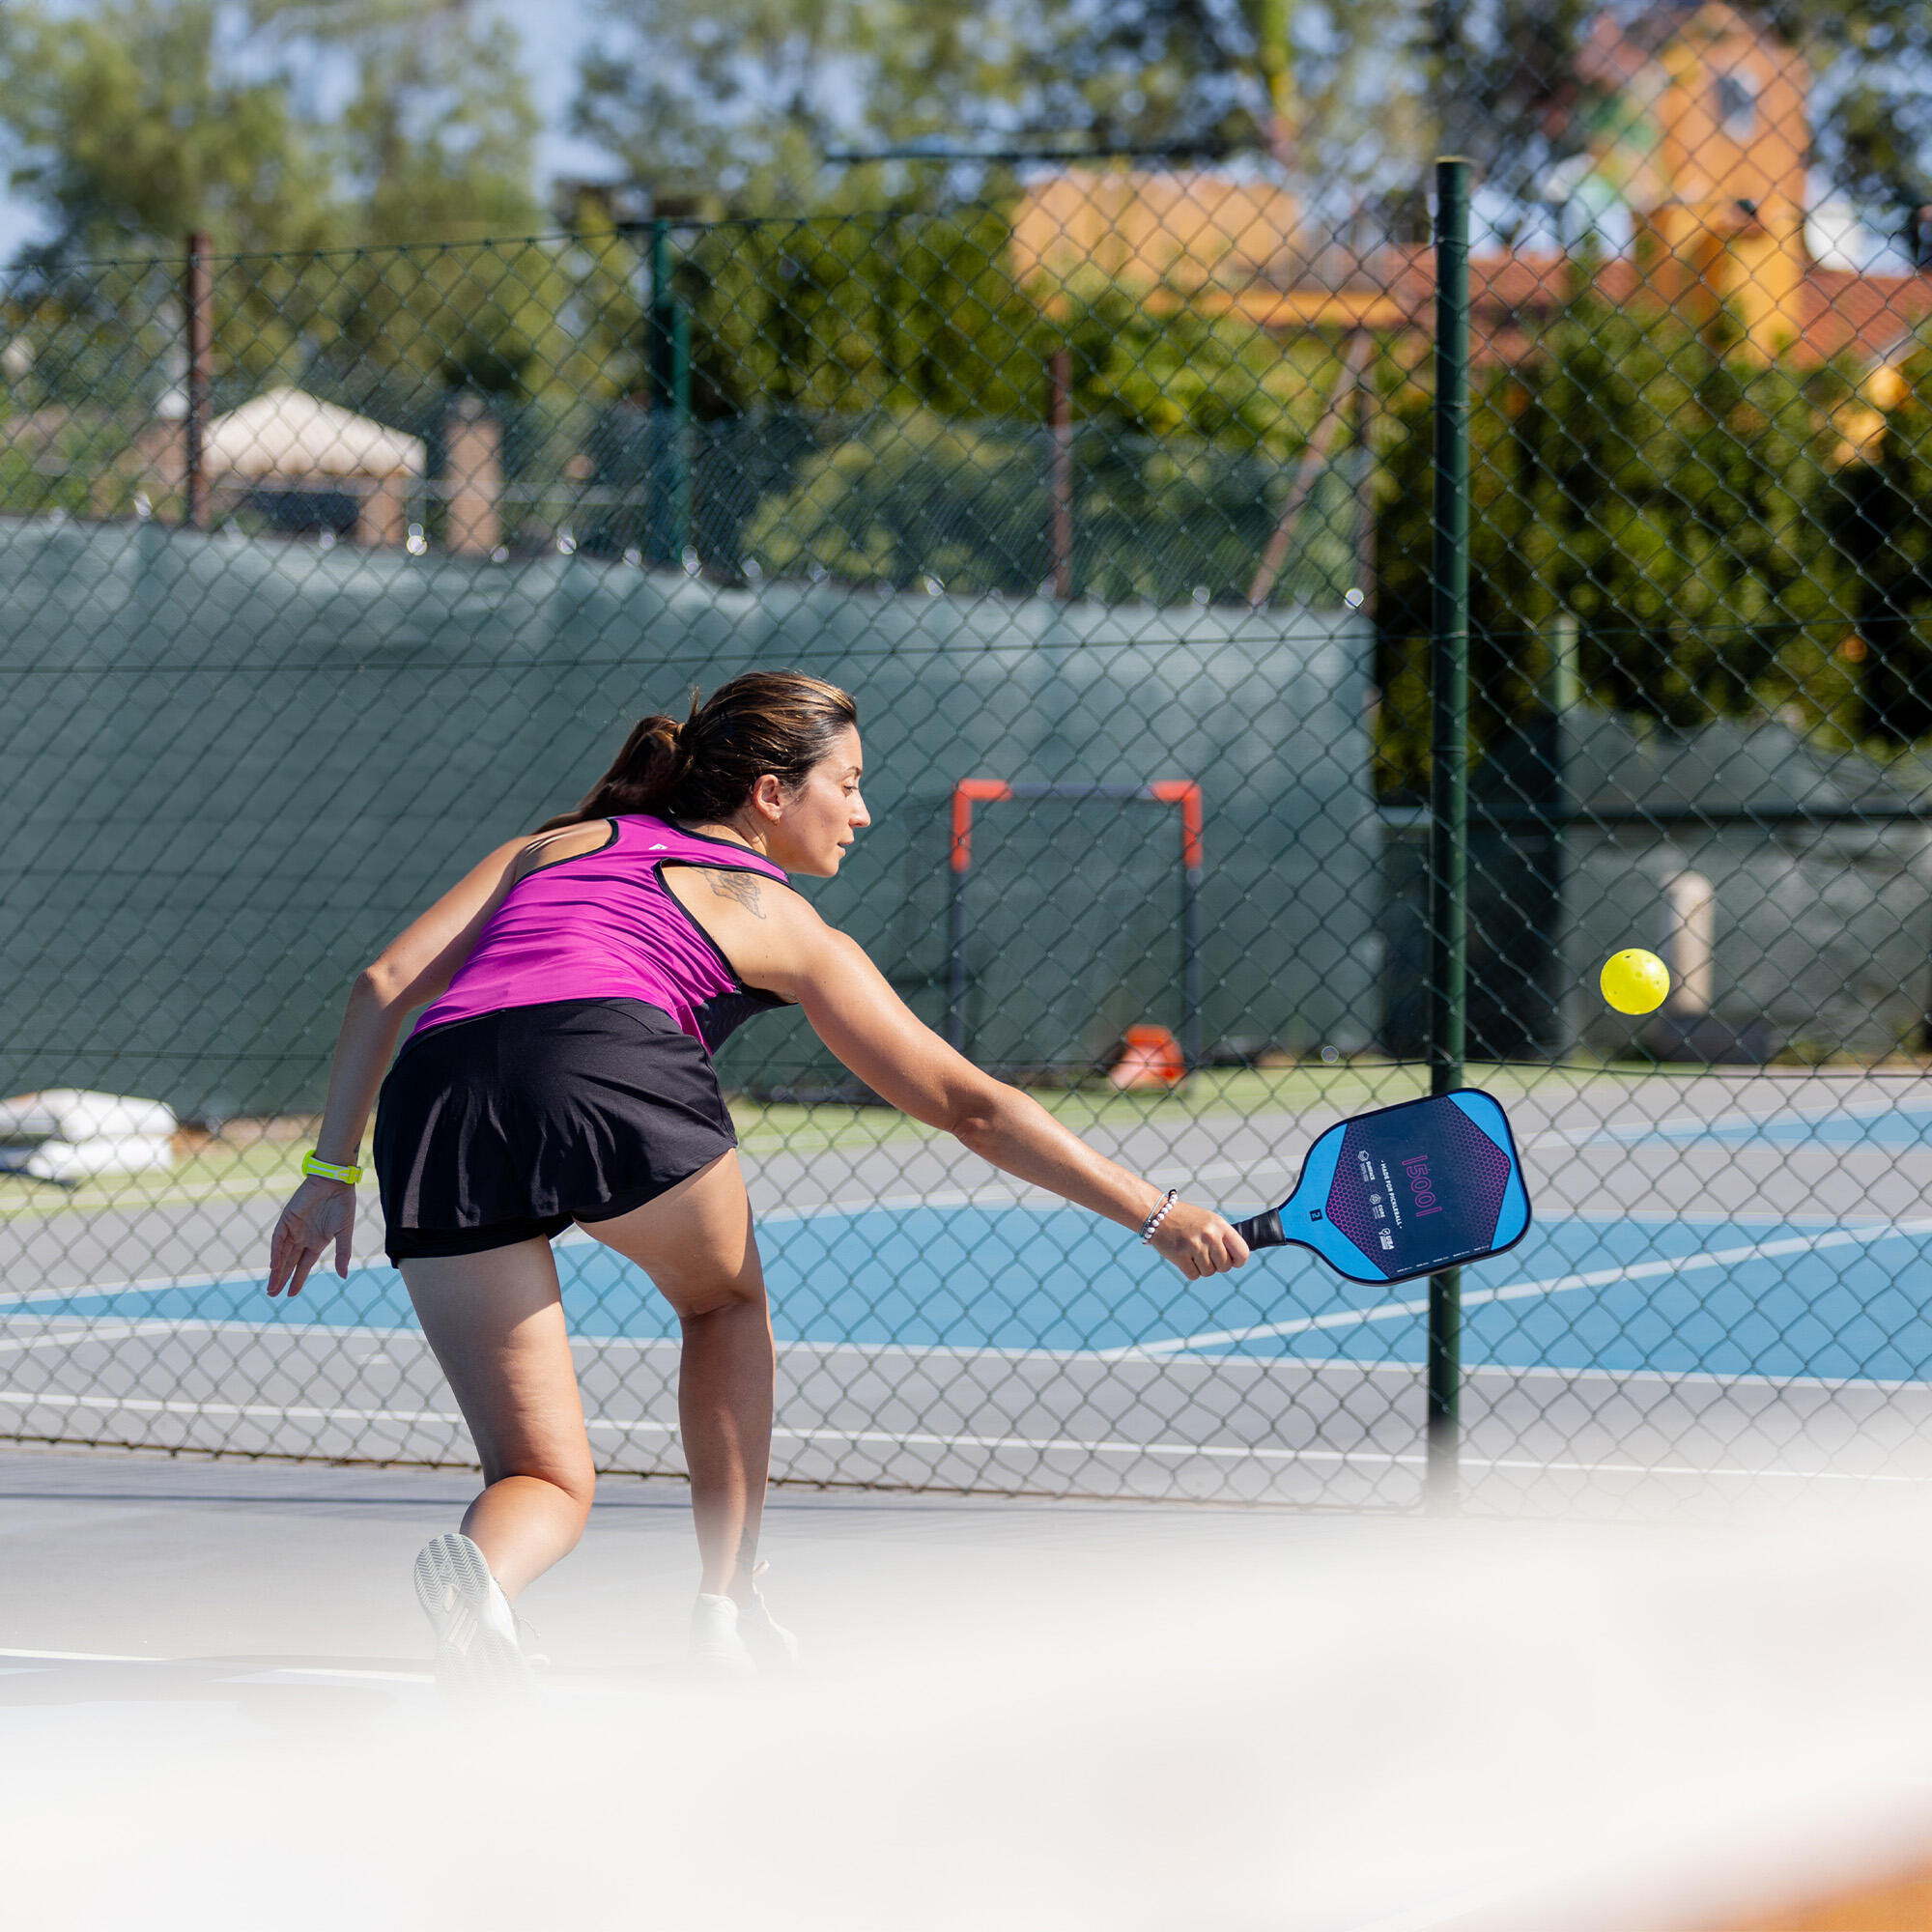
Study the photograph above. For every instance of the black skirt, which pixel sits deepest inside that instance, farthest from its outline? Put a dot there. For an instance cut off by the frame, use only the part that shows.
(513, 1124)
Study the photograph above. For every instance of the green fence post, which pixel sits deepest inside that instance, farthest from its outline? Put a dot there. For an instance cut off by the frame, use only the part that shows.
(680, 432)
(661, 389)
(1449, 774)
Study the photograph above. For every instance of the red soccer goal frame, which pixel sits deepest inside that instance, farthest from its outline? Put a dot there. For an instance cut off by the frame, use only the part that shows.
(1184, 793)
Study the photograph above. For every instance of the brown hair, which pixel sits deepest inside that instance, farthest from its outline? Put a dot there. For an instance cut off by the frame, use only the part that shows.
(780, 722)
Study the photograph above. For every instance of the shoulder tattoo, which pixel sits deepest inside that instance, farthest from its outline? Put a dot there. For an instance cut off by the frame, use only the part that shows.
(740, 885)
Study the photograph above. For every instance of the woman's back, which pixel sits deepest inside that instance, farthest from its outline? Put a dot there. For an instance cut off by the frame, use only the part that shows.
(601, 924)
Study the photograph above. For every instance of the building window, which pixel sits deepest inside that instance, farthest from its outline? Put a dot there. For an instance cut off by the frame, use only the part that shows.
(1737, 105)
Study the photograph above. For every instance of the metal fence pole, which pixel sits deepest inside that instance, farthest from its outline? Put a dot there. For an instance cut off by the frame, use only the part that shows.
(1060, 430)
(1449, 774)
(960, 862)
(661, 392)
(197, 306)
(681, 549)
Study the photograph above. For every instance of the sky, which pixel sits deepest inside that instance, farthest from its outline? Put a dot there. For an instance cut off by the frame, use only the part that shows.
(555, 32)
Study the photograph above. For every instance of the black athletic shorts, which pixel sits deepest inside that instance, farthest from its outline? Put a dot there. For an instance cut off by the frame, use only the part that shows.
(515, 1124)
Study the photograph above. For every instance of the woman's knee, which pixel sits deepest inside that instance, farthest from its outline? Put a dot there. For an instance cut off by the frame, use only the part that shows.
(695, 1298)
(573, 1477)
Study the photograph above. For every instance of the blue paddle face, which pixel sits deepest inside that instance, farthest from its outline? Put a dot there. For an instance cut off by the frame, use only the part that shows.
(1407, 1190)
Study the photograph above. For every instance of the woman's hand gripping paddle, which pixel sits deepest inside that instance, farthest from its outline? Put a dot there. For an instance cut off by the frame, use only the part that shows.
(1404, 1191)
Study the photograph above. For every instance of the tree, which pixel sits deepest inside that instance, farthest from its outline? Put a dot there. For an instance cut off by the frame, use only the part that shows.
(1502, 85)
(1505, 82)
(735, 105)
(138, 121)
(133, 122)
(1883, 523)
(1875, 135)
(1680, 504)
(438, 138)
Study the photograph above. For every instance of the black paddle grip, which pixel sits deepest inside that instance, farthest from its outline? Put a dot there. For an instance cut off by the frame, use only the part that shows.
(1263, 1231)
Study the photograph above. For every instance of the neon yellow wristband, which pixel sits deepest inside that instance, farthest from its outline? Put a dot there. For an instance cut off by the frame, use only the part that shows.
(327, 1170)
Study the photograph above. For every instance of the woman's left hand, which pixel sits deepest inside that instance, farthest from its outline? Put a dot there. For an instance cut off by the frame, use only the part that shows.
(319, 1212)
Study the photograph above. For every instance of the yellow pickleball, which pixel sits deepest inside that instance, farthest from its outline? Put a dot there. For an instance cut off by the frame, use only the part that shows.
(1636, 982)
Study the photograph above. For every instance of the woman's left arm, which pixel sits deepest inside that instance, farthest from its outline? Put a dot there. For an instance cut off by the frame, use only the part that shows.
(856, 1012)
(410, 972)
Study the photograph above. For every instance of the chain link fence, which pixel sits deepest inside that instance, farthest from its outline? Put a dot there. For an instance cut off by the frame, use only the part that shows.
(321, 574)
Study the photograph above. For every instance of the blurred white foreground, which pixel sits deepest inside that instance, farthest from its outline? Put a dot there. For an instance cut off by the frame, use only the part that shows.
(1122, 1719)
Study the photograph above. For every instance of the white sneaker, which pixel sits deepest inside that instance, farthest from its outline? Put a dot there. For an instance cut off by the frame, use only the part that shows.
(476, 1647)
(530, 1640)
(733, 1639)
(717, 1644)
(772, 1647)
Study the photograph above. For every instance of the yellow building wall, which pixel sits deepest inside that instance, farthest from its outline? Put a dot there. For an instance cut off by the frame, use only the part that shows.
(1726, 229)
(1144, 230)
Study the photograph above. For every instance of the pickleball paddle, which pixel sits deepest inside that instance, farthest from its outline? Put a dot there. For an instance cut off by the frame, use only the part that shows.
(1404, 1190)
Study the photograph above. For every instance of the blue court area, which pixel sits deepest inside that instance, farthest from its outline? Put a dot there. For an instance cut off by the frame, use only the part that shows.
(1886, 1126)
(1721, 1298)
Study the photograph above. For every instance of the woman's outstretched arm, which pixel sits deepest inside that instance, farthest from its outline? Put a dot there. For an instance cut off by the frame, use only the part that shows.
(856, 1012)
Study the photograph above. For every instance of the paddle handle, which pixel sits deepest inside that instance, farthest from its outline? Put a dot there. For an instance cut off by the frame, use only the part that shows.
(1263, 1231)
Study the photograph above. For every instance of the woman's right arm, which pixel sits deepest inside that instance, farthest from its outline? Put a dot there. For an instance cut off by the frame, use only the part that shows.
(410, 972)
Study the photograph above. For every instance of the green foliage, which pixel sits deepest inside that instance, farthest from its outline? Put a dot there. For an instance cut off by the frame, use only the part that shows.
(1504, 76)
(856, 312)
(133, 125)
(735, 107)
(1875, 138)
(918, 374)
(142, 120)
(1501, 77)
(1883, 524)
(135, 122)
(917, 501)
(1181, 370)
(1677, 501)
(913, 501)
(438, 139)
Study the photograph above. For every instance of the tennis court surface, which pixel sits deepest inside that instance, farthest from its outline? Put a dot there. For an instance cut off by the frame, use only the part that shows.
(215, 1711)
(1671, 1320)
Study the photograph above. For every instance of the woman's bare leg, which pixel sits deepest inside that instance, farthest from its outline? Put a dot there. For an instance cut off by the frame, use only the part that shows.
(696, 1243)
(496, 1323)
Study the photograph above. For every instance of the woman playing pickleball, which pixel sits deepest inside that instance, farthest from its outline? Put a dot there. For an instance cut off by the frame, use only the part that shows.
(576, 983)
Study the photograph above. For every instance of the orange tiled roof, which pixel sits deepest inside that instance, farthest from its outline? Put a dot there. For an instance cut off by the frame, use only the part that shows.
(1843, 310)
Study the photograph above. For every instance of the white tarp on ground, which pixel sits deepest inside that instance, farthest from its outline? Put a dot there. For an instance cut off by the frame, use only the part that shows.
(67, 1132)
(287, 432)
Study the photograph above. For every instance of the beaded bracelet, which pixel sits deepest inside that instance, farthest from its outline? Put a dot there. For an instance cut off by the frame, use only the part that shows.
(1158, 1216)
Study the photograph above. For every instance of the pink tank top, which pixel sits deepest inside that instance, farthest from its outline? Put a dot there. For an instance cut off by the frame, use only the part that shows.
(604, 926)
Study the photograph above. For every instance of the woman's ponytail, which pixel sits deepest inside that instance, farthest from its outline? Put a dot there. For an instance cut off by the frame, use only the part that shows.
(777, 721)
(642, 776)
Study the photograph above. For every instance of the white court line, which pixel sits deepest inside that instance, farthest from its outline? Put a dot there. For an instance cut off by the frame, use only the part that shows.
(577, 1238)
(1528, 1290)
(169, 1324)
(917, 1353)
(1718, 1257)
(242, 1676)
(922, 1439)
(64, 1338)
(88, 1329)
(79, 1657)
(573, 1237)
(153, 1284)
(1617, 1133)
